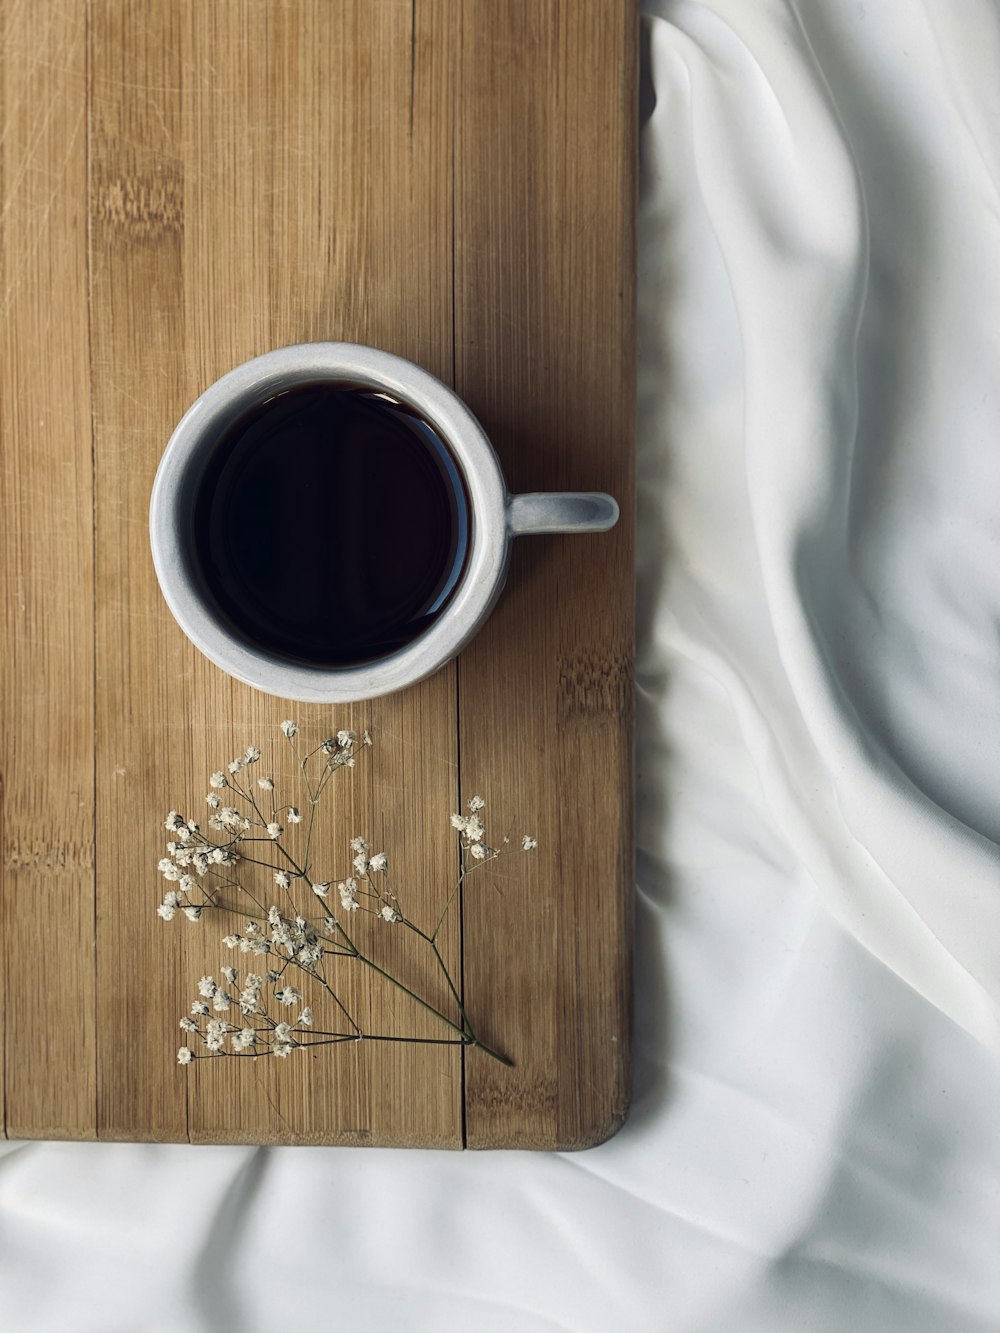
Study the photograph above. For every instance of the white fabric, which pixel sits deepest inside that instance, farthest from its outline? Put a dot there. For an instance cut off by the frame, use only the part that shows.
(814, 1138)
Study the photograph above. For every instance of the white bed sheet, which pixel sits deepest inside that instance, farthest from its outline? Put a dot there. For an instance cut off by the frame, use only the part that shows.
(813, 1143)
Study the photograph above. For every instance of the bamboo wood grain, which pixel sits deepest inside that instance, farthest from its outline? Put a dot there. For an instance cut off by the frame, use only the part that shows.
(544, 342)
(47, 788)
(448, 179)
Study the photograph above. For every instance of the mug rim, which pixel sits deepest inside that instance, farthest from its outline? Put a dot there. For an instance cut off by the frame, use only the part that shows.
(250, 383)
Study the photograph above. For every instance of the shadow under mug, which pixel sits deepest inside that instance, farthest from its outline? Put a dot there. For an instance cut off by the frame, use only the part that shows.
(496, 518)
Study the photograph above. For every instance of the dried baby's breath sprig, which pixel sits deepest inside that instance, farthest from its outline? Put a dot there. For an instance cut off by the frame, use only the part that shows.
(249, 1016)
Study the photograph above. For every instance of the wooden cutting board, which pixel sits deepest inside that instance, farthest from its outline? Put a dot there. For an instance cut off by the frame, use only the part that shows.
(186, 184)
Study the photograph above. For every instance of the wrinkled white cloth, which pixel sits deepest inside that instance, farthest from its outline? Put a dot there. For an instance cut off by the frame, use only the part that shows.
(814, 1137)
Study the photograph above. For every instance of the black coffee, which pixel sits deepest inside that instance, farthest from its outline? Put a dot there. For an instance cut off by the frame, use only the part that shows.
(331, 525)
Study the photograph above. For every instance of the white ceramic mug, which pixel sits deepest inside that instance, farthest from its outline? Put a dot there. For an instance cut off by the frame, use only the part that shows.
(496, 518)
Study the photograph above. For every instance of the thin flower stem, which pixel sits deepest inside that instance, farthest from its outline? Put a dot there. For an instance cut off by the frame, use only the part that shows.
(416, 930)
(268, 865)
(291, 860)
(451, 987)
(249, 796)
(309, 832)
(305, 775)
(253, 801)
(352, 947)
(413, 995)
(447, 975)
(372, 1036)
(337, 1001)
(331, 1040)
(451, 898)
(466, 870)
(236, 884)
(328, 773)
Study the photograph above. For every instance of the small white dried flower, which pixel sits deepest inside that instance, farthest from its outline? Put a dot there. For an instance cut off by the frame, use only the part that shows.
(289, 729)
(217, 779)
(528, 843)
(390, 914)
(215, 1034)
(360, 863)
(274, 830)
(345, 738)
(293, 815)
(189, 1025)
(232, 941)
(235, 766)
(366, 737)
(282, 1048)
(172, 873)
(164, 864)
(174, 822)
(199, 1007)
(206, 987)
(379, 862)
(288, 996)
(306, 1017)
(252, 754)
(193, 911)
(282, 879)
(243, 1039)
(308, 957)
(230, 974)
(282, 1032)
(459, 822)
(479, 851)
(265, 784)
(212, 800)
(321, 890)
(184, 1056)
(166, 911)
(273, 976)
(186, 883)
(476, 803)
(172, 898)
(221, 1000)
(359, 845)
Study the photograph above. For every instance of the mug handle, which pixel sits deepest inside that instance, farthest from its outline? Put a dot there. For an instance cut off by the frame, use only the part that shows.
(561, 511)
